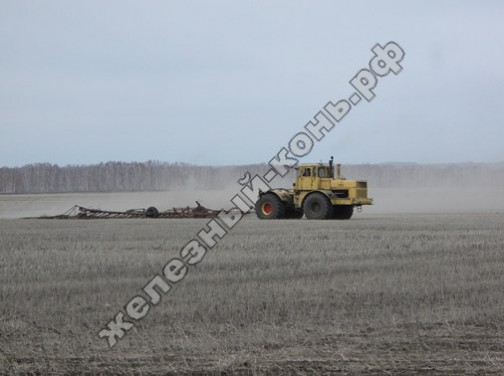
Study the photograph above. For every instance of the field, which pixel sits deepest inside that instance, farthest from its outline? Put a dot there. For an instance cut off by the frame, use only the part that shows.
(379, 294)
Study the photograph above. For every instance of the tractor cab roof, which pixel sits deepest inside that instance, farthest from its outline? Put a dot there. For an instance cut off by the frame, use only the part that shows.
(304, 165)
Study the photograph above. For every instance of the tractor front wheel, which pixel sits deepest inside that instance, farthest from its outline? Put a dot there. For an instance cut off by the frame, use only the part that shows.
(269, 206)
(317, 206)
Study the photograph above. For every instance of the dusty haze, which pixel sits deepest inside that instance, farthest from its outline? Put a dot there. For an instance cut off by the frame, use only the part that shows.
(386, 200)
(395, 188)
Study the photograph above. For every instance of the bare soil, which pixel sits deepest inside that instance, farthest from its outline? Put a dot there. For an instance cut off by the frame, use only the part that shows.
(379, 294)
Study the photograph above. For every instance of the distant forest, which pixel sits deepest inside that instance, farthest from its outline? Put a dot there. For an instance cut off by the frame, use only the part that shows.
(162, 176)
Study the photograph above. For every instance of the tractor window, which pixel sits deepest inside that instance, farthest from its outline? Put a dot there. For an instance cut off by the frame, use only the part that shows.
(307, 172)
(322, 172)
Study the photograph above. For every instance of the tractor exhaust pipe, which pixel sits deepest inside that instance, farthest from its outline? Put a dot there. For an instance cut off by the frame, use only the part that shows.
(331, 167)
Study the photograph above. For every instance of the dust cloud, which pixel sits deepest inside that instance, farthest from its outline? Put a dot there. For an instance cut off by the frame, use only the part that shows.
(436, 200)
(395, 189)
(386, 200)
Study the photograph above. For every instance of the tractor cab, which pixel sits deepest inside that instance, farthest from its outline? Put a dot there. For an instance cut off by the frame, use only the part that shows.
(319, 170)
(315, 176)
(309, 175)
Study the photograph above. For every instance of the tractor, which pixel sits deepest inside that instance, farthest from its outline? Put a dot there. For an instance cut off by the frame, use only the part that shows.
(317, 194)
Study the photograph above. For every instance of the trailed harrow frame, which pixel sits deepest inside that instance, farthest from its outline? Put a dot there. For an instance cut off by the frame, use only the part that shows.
(80, 212)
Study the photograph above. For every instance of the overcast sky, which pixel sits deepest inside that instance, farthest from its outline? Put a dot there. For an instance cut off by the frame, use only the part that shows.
(230, 82)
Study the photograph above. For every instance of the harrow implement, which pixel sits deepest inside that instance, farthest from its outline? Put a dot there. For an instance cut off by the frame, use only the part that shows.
(80, 212)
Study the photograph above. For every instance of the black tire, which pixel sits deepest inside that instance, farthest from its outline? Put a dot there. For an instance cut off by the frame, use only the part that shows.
(269, 206)
(152, 212)
(342, 211)
(317, 206)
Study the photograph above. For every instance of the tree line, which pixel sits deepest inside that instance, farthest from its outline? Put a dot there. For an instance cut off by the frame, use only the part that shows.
(163, 176)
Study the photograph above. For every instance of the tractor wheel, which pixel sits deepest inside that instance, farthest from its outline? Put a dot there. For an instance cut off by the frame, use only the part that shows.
(342, 211)
(269, 206)
(294, 214)
(317, 206)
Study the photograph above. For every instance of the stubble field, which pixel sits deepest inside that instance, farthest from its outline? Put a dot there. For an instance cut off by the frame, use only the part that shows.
(379, 294)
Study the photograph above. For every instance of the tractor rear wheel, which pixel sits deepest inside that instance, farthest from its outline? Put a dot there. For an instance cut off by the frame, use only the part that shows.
(317, 206)
(269, 206)
(342, 211)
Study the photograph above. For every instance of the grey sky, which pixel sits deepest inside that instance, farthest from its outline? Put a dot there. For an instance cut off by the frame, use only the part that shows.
(229, 82)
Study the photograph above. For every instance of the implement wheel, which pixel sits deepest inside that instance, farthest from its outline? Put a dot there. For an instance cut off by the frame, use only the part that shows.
(152, 212)
(342, 211)
(317, 206)
(269, 206)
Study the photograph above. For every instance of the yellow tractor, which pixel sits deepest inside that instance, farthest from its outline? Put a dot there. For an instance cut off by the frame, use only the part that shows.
(317, 194)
